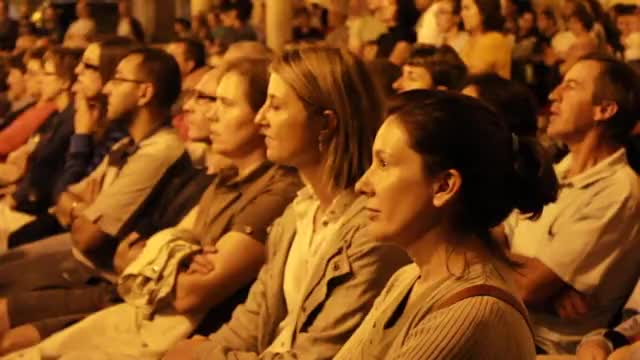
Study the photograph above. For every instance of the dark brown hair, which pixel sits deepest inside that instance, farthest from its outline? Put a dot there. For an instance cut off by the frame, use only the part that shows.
(500, 171)
(618, 82)
(112, 50)
(490, 12)
(65, 61)
(162, 71)
(443, 64)
(255, 72)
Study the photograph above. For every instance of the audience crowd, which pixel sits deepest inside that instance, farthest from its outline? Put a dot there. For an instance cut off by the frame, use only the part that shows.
(407, 179)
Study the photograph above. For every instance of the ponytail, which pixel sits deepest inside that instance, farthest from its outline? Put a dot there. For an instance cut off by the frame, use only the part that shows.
(534, 182)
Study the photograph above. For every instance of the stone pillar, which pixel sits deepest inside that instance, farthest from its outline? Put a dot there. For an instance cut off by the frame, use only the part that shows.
(156, 18)
(200, 6)
(279, 23)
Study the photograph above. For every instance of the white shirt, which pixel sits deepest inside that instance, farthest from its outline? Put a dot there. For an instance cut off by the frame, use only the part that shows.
(590, 239)
(427, 28)
(305, 249)
(82, 28)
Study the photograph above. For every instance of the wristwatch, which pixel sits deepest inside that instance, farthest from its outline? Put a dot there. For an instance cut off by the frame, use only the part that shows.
(617, 339)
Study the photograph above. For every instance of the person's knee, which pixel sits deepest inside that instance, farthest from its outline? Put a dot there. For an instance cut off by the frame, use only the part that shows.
(19, 338)
(5, 322)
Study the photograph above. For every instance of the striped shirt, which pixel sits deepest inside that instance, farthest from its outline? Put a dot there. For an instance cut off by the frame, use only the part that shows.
(475, 328)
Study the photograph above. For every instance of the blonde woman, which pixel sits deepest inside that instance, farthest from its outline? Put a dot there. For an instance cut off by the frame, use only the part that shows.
(322, 271)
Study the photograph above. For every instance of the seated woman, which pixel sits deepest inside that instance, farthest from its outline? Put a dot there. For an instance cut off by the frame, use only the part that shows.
(581, 24)
(488, 49)
(80, 141)
(446, 170)
(512, 100)
(431, 67)
(400, 17)
(229, 224)
(21, 94)
(34, 194)
(322, 270)
(28, 120)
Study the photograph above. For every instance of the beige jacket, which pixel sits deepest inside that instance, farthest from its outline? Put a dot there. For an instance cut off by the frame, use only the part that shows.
(336, 301)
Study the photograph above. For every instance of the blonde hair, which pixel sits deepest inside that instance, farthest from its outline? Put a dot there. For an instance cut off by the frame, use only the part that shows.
(332, 79)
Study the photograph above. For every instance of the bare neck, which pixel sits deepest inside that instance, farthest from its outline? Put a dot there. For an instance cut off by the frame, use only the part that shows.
(589, 152)
(436, 259)
(144, 121)
(249, 161)
(314, 176)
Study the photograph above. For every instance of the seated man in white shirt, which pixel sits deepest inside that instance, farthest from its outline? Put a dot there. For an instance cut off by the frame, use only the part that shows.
(580, 257)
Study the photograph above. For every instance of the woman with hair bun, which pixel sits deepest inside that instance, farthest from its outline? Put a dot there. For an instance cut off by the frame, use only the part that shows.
(446, 170)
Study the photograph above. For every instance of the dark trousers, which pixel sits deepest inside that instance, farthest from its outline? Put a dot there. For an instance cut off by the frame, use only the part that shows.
(47, 287)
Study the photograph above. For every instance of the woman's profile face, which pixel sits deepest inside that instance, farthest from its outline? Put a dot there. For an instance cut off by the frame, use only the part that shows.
(33, 78)
(399, 194)
(386, 11)
(233, 129)
(291, 136)
(89, 80)
(471, 16)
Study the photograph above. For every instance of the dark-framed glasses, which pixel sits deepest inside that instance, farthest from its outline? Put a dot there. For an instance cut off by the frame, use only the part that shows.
(200, 97)
(90, 67)
(120, 80)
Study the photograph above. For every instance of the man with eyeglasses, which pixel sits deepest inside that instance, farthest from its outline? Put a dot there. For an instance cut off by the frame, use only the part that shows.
(102, 208)
(190, 54)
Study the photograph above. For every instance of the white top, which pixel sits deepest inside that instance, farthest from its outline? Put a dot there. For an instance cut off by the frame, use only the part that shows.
(589, 238)
(83, 28)
(306, 248)
(427, 28)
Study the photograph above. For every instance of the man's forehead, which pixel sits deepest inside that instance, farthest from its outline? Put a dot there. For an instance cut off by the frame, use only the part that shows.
(129, 64)
(584, 71)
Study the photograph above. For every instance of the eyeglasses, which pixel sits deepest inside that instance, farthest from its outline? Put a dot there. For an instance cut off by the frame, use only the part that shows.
(123, 80)
(90, 67)
(200, 97)
(48, 73)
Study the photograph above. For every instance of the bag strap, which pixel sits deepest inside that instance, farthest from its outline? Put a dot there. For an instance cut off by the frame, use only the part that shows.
(485, 290)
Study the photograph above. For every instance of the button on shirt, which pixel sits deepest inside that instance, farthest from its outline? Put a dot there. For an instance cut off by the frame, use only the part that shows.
(304, 253)
(589, 238)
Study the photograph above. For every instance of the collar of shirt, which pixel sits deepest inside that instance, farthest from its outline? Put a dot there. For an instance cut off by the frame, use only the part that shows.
(229, 176)
(603, 169)
(307, 199)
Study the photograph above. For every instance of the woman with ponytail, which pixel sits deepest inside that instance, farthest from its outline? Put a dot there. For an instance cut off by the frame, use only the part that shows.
(446, 170)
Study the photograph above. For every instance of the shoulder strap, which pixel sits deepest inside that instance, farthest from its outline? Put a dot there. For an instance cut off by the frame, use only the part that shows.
(485, 290)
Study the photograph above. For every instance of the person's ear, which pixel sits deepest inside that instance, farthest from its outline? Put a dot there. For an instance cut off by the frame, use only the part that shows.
(146, 92)
(191, 65)
(329, 123)
(445, 187)
(605, 110)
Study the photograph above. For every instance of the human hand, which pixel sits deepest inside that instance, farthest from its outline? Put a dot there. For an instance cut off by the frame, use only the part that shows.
(184, 349)
(202, 263)
(571, 304)
(593, 349)
(86, 117)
